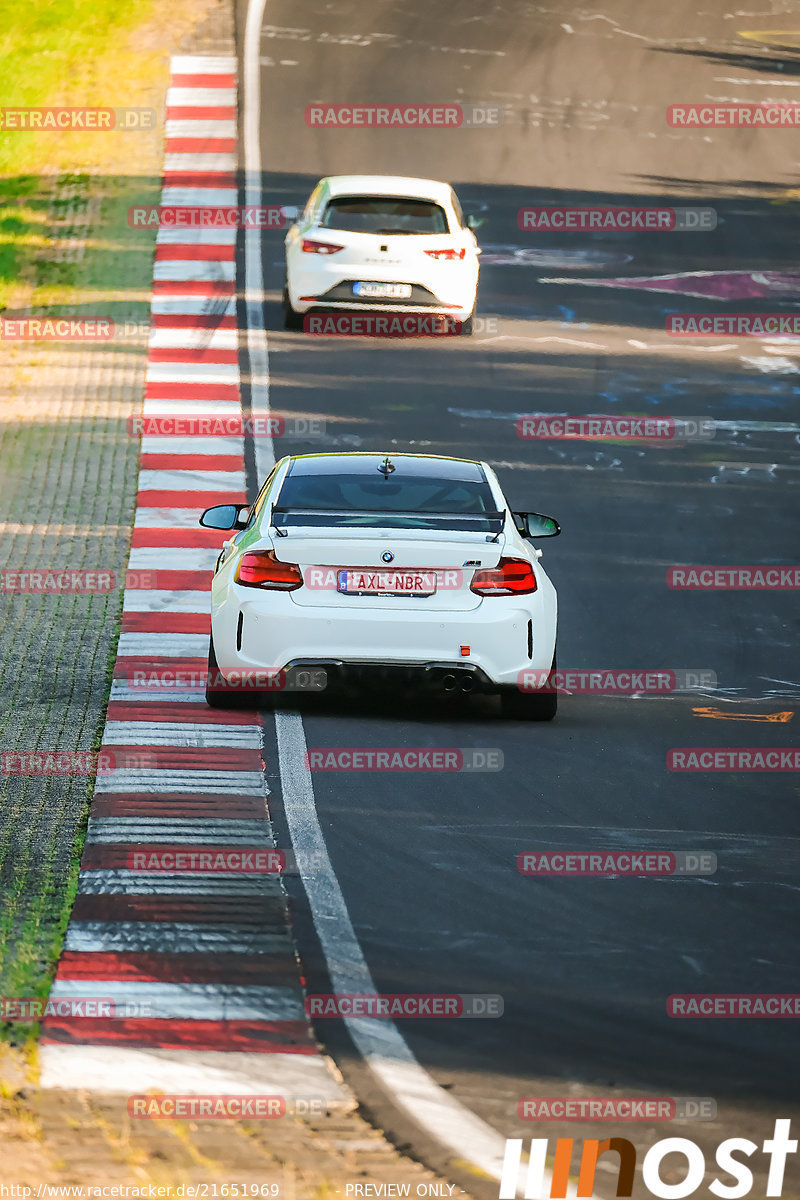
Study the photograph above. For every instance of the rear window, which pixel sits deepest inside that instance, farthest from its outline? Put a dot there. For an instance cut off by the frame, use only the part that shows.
(411, 502)
(384, 214)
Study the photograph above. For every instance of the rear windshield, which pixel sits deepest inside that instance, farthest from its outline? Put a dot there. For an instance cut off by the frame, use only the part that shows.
(384, 214)
(360, 500)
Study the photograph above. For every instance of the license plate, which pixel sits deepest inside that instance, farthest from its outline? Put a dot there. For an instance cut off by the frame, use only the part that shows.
(387, 583)
(383, 291)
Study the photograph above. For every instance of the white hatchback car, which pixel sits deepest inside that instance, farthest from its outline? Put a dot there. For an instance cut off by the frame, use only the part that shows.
(409, 569)
(381, 242)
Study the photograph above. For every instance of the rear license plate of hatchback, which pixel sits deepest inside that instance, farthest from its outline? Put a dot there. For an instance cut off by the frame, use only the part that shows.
(382, 291)
(387, 583)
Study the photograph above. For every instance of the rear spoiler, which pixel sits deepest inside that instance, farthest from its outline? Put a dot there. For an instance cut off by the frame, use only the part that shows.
(490, 523)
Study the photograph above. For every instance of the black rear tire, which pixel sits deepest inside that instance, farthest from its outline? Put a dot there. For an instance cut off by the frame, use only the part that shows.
(530, 706)
(217, 697)
(291, 319)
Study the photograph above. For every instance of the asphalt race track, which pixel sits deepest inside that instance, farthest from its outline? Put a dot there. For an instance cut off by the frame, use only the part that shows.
(427, 864)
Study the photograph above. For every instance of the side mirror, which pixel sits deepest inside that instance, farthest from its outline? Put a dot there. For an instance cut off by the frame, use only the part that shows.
(225, 516)
(536, 525)
(474, 221)
(290, 212)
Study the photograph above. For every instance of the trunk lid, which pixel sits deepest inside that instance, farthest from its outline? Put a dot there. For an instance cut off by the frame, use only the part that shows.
(450, 560)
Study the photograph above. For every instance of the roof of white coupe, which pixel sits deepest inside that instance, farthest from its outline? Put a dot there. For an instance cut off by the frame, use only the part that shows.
(388, 185)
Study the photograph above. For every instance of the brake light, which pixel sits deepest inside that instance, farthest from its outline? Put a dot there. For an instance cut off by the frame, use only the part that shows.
(260, 568)
(311, 247)
(511, 577)
(449, 255)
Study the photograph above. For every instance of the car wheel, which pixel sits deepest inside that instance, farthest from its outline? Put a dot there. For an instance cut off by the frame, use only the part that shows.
(291, 319)
(530, 706)
(217, 697)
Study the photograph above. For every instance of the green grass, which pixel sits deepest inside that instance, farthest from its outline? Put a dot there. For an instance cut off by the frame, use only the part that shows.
(70, 53)
(57, 52)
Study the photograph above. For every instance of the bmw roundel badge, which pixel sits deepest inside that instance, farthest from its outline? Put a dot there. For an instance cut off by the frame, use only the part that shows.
(387, 556)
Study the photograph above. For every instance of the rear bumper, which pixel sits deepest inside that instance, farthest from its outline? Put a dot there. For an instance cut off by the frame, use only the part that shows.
(495, 637)
(432, 676)
(330, 286)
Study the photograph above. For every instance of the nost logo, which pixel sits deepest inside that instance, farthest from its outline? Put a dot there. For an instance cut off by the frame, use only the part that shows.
(692, 1169)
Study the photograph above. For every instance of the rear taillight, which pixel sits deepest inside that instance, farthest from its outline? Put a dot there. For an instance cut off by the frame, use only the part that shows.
(311, 247)
(449, 255)
(511, 577)
(260, 568)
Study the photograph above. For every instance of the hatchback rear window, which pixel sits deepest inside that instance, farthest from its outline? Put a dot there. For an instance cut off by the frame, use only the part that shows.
(384, 214)
(359, 500)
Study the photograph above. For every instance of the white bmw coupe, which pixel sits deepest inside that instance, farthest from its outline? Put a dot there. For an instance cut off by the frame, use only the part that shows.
(381, 242)
(401, 569)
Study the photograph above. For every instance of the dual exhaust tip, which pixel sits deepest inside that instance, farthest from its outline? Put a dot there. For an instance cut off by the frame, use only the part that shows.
(451, 683)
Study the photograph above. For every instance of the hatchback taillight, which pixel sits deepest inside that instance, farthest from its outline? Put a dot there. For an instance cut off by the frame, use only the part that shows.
(449, 255)
(260, 568)
(511, 577)
(311, 247)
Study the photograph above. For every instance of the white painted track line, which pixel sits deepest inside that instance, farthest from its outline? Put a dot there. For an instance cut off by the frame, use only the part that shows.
(162, 781)
(175, 937)
(211, 64)
(173, 733)
(190, 97)
(385, 1051)
(191, 1001)
(195, 446)
(189, 1072)
(122, 882)
(147, 600)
